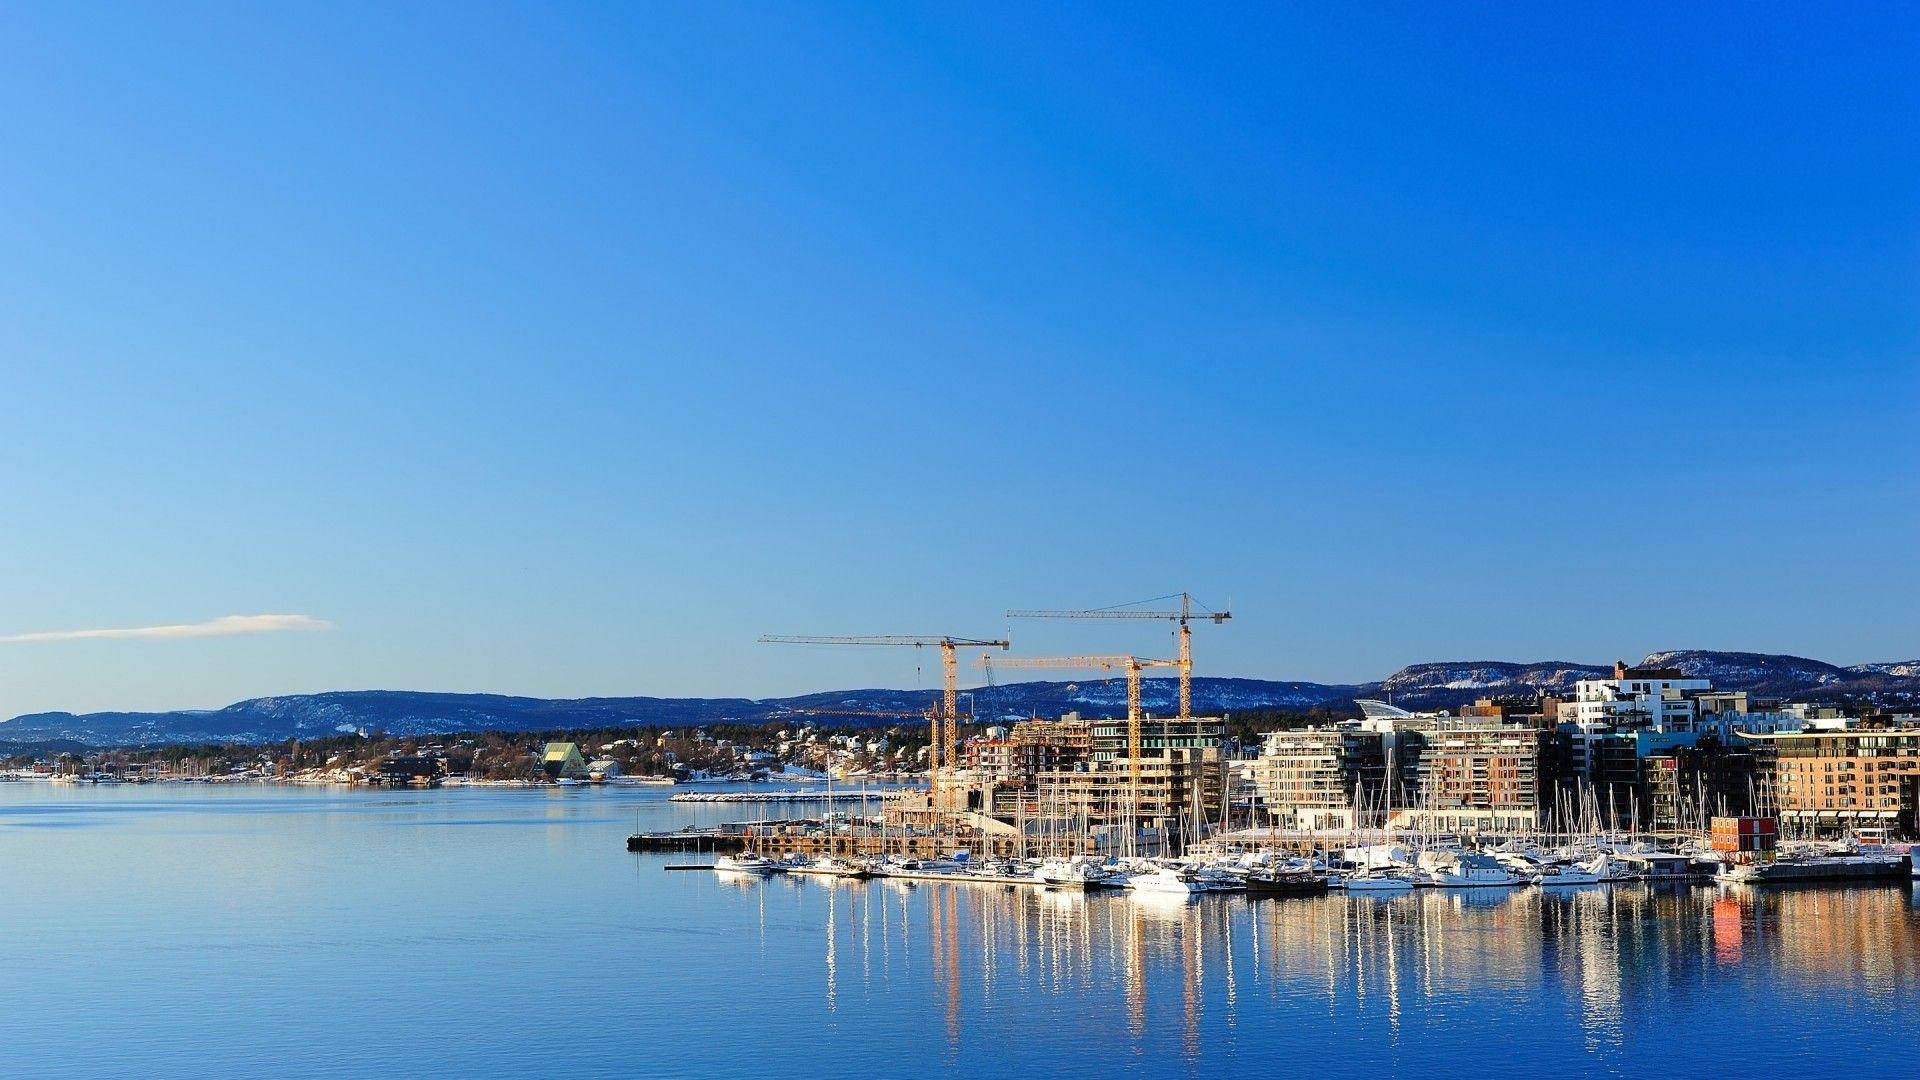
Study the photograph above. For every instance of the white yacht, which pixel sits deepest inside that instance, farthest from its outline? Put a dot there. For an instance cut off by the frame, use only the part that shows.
(1467, 870)
(1079, 872)
(744, 863)
(1166, 879)
(828, 866)
(1381, 880)
(1558, 877)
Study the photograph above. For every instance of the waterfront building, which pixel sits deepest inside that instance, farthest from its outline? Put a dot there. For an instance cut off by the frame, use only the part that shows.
(1724, 713)
(1829, 782)
(990, 756)
(1074, 775)
(1627, 738)
(562, 760)
(1402, 734)
(1830, 717)
(1182, 773)
(1479, 779)
(1541, 710)
(412, 769)
(1042, 745)
(1002, 756)
(1688, 786)
(1319, 779)
(1195, 737)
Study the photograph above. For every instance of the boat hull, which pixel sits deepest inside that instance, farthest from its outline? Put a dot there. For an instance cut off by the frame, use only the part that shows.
(1302, 886)
(1784, 873)
(1378, 885)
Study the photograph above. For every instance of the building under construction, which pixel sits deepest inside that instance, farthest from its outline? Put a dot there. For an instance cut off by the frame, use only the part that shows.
(1057, 777)
(1127, 784)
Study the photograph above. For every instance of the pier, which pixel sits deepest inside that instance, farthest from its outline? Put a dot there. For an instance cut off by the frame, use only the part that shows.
(712, 840)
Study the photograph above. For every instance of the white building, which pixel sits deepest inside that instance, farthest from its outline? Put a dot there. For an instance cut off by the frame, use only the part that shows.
(1657, 698)
(1635, 699)
(1723, 713)
(1821, 717)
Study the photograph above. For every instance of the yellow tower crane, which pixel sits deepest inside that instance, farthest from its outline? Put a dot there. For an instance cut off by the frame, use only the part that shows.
(950, 682)
(1184, 615)
(1132, 665)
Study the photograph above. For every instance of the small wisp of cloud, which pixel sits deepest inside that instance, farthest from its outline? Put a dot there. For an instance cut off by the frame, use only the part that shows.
(224, 626)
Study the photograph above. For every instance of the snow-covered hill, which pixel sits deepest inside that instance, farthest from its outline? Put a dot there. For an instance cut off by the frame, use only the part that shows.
(1420, 686)
(1904, 668)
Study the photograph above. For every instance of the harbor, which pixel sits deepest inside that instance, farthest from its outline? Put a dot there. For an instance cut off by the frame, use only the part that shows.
(1649, 776)
(1739, 852)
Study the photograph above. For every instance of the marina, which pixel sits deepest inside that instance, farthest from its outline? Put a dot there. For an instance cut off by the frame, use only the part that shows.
(1596, 862)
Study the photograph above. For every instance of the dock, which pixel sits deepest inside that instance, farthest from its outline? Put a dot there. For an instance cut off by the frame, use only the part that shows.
(714, 840)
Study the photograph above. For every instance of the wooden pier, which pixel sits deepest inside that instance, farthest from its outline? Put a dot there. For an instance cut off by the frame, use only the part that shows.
(714, 840)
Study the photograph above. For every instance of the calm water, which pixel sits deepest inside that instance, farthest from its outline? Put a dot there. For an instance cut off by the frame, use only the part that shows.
(170, 930)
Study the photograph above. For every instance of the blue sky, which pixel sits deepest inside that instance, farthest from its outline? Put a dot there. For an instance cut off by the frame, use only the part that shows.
(563, 349)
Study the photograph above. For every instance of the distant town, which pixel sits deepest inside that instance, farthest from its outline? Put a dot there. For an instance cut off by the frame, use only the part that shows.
(606, 755)
(1647, 749)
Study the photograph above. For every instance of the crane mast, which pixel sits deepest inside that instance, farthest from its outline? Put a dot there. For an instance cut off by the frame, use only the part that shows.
(1133, 666)
(941, 738)
(1184, 615)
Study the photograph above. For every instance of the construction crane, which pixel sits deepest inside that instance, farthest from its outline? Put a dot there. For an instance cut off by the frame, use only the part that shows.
(950, 682)
(1132, 665)
(1184, 615)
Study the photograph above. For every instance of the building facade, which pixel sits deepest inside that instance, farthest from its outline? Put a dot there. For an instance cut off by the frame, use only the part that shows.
(1479, 779)
(1321, 779)
(1829, 782)
(1659, 698)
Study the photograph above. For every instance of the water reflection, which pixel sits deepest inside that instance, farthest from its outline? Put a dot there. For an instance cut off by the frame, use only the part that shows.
(1176, 971)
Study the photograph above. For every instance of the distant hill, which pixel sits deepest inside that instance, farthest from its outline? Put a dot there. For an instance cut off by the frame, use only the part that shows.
(46, 749)
(1796, 678)
(1897, 667)
(1419, 686)
(401, 712)
(1447, 685)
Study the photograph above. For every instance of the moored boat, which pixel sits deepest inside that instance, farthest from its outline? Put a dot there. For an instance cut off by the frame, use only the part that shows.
(1817, 869)
(1468, 870)
(745, 863)
(1166, 879)
(1379, 881)
(829, 866)
(1079, 872)
(1285, 883)
(1560, 877)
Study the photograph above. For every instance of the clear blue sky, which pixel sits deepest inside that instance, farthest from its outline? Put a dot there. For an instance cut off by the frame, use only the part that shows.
(562, 349)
